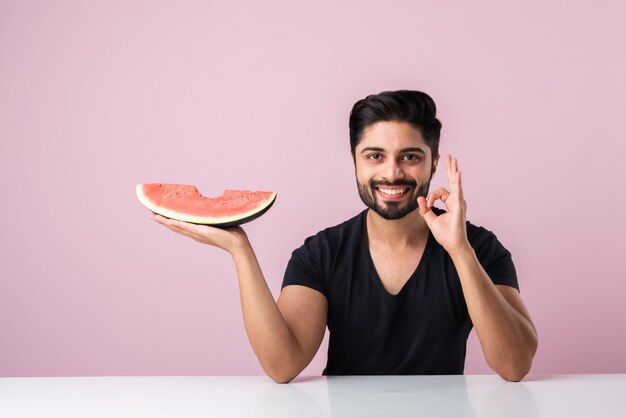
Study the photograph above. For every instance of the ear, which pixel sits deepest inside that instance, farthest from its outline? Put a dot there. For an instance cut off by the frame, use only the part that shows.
(434, 167)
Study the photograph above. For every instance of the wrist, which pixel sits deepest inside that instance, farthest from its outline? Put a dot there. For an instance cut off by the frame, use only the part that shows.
(241, 249)
(461, 251)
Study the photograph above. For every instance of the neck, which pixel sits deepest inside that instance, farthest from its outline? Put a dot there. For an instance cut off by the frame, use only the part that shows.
(409, 231)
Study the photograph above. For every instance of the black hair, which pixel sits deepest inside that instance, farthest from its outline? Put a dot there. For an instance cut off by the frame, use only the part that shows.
(414, 107)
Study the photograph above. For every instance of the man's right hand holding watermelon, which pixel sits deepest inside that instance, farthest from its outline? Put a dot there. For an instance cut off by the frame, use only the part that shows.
(284, 334)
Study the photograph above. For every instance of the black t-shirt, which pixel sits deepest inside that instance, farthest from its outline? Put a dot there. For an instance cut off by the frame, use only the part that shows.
(421, 330)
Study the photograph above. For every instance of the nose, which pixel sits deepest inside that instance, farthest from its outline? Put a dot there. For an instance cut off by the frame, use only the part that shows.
(393, 171)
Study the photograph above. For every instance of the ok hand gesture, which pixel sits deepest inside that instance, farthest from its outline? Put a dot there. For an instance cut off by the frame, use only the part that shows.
(449, 228)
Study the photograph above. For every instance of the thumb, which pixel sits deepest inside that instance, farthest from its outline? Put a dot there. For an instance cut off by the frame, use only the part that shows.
(426, 212)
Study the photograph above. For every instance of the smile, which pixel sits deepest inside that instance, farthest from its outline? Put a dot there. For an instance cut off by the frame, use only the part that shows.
(392, 193)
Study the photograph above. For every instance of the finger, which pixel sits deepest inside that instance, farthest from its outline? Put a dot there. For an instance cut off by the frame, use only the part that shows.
(156, 217)
(185, 226)
(440, 193)
(181, 231)
(457, 175)
(163, 220)
(458, 185)
(428, 215)
(191, 230)
(451, 171)
(448, 166)
(173, 224)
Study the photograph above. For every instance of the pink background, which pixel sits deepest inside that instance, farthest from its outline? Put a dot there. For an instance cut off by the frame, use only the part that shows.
(98, 96)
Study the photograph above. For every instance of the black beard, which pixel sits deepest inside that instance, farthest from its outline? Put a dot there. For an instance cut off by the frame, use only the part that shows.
(392, 210)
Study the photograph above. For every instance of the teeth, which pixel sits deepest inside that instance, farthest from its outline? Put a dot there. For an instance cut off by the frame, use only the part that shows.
(392, 191)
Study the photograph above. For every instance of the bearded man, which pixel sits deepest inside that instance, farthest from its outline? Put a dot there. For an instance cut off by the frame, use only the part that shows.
(401, 284)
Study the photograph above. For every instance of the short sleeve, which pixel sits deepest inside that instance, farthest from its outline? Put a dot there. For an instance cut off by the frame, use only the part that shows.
(305, 267)
(495, 259)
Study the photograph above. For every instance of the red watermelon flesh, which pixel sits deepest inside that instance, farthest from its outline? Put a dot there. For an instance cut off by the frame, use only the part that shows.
(185, 203)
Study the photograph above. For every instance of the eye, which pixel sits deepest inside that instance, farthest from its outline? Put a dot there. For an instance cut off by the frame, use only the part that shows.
(411, 157)
(375, 156)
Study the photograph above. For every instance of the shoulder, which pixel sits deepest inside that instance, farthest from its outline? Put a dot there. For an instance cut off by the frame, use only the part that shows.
(332, 237)
(311, 263)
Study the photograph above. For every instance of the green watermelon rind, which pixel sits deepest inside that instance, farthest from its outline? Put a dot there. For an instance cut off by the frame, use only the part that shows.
(223, 222)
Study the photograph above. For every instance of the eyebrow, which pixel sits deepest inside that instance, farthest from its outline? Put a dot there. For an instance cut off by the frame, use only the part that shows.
(410, 149)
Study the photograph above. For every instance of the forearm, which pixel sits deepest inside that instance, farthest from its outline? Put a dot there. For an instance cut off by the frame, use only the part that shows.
(272, 341)
(507, 337)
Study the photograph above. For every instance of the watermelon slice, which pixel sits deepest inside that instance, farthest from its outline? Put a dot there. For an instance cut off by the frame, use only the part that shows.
(185, 203)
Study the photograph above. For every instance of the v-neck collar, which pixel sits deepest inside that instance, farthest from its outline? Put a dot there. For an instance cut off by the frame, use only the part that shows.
(370, 260)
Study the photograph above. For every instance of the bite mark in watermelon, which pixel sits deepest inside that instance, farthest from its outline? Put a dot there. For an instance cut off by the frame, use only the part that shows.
(185, 203)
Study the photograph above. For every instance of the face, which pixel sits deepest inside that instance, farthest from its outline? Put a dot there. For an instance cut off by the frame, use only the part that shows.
(394, 167)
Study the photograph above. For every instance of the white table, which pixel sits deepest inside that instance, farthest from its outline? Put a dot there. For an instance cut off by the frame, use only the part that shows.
(349, 396)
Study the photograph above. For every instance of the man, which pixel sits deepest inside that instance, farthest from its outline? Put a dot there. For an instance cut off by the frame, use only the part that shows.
(401, 284)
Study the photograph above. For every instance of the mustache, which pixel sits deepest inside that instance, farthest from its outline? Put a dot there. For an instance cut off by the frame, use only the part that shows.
(400, 182)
